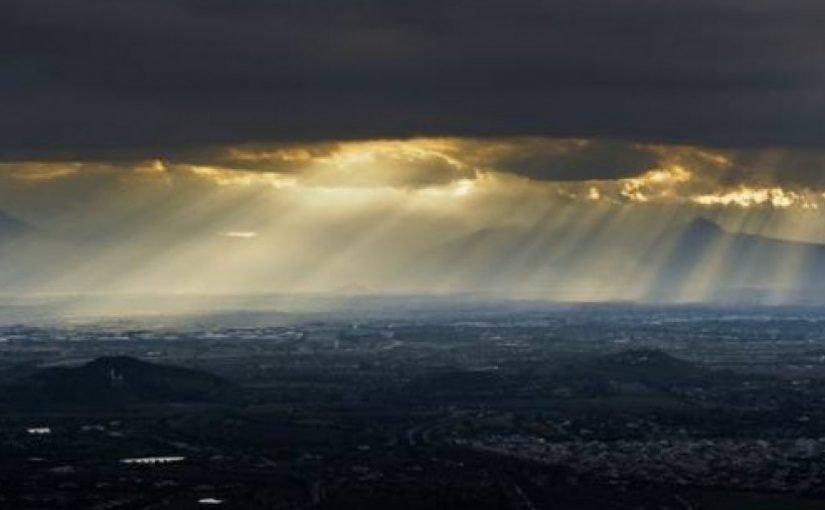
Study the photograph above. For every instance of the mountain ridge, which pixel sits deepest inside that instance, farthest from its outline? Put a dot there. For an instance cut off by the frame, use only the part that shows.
(9, 225)
(695, 259)
(116, 380)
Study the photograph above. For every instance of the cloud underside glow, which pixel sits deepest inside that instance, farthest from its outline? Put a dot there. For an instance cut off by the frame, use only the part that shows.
(523, 217)
(578, 169)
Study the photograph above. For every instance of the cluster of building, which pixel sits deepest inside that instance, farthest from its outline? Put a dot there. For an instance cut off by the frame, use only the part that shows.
(796, 465)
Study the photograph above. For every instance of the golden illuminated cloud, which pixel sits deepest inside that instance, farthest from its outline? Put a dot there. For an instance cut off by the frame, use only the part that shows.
(750, 197)
(587, 170)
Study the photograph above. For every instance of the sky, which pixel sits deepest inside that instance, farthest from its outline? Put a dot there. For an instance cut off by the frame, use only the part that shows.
(545, 148)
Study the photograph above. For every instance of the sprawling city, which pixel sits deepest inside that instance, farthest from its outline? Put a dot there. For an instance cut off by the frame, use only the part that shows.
(477, 404)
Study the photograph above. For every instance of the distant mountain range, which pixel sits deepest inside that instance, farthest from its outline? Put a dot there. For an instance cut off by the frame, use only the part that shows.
(574, 259)
(114, 381)
(732, 263)
(631, 373)
(697, 259)
(29, 257)
(10, 226)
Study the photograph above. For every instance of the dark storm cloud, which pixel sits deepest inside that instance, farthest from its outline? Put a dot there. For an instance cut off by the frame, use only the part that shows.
(107, 78)
(563, 160)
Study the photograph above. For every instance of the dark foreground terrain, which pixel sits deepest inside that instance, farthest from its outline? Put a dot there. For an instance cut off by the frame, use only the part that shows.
(593, 407)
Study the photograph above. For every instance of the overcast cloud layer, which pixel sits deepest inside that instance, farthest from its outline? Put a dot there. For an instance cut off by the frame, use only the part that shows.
(98, 78)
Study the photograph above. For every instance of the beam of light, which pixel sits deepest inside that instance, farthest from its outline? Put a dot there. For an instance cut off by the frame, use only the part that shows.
(563, 243)
(797, 267)
(715, 266)
(541, 240)
(601, 266)
(348, 259)
(167, 253)
(645, 259)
